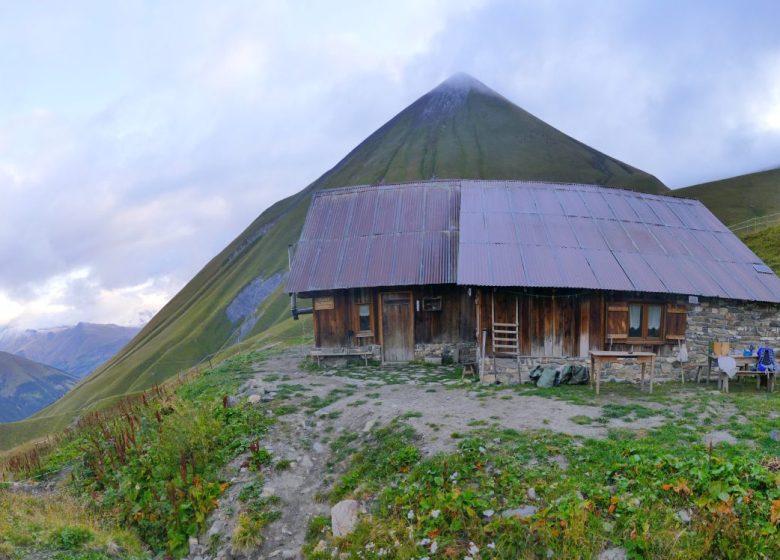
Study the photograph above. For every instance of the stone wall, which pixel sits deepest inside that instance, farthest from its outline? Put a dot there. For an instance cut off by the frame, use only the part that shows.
(741, 323)
(459, 352)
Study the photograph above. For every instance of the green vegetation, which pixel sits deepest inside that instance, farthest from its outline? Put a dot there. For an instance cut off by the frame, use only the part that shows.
(766, 244)
(154, 465)
(474, 135)
(256, 514)
(38, 523)
(737, 199)
(658, 494)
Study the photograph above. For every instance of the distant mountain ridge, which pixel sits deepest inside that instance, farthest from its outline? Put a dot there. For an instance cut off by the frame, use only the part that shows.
(460, 129)
(27, 386)
(77, 350)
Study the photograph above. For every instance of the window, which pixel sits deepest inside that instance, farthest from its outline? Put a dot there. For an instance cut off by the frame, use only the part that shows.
(431, 303)
(362, 322)
(644, 320)
(364, 317)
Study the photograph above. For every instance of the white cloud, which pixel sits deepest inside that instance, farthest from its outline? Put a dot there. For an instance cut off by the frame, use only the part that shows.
(140, 138)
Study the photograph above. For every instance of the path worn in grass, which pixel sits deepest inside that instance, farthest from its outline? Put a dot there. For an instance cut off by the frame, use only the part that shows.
(327, 414)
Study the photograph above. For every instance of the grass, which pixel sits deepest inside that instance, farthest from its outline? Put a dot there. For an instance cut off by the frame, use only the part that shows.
(765, 243)
(154, 466)
(740, 198)
(627, 490)
(38, 524)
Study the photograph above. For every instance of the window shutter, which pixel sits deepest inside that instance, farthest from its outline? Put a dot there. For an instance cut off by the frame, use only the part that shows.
(676, 320)
(617, 320)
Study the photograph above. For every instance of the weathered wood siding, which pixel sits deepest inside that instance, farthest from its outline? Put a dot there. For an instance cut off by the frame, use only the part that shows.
(570, 323)
(455, 321)
(550, 323)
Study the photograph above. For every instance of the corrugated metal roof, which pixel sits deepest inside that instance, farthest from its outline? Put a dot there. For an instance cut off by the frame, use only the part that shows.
(519, 233)
(395, 235)
(585, 236)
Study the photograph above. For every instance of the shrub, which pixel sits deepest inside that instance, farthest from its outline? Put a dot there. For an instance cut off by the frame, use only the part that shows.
(70, 538)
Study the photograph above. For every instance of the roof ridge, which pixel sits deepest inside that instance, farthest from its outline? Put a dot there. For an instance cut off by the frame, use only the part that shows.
(509, 182)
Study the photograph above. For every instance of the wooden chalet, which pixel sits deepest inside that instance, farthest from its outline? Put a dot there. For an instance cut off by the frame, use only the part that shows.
(523, 270)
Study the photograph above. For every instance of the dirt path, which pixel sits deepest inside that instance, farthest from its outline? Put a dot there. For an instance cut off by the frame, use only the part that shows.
(358, 399)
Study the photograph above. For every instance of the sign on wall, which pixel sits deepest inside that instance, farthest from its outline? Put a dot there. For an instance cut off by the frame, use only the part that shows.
(323, 303)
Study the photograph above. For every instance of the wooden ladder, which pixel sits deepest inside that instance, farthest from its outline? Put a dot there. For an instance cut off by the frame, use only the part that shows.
(505, 337)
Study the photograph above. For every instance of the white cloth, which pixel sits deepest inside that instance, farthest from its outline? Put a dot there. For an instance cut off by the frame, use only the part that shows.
(682, 355)
(728, 365)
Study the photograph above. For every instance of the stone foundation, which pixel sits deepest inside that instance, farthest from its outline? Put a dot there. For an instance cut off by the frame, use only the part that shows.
(458, 352)
(507, 370)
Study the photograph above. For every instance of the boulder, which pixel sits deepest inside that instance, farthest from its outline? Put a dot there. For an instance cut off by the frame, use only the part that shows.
(521, 512)
(616, 553)
(343, 517)
(684, 516)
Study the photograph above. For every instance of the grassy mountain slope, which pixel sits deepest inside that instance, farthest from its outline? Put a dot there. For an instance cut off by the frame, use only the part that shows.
(78, 350)
(739, 198)
(766, 244)
(27, 386)
(460, 129)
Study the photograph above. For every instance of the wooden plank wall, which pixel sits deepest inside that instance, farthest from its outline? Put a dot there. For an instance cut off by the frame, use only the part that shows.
(552, 323)
(454, 323)
(331, 326)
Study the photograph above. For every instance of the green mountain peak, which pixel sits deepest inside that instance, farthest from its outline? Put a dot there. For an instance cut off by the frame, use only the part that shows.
(459, 129)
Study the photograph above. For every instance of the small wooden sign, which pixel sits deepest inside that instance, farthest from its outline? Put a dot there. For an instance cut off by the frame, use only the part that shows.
(323, 303)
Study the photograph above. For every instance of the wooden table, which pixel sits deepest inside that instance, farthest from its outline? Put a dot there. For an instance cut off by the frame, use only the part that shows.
(744, 365)
(599, 357)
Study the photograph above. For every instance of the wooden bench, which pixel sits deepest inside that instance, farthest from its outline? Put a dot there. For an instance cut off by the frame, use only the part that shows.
(319, 354)
(723, 379)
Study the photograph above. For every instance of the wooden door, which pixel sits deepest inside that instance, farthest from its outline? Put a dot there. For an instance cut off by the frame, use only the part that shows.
(397, 327)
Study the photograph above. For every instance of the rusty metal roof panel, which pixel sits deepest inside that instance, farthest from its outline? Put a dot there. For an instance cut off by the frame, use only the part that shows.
(364, 214)
(519, 233)
(352, 271)
(368, 236)
(407, 259)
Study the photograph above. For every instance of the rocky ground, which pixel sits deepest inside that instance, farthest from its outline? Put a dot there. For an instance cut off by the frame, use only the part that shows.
(318, 407)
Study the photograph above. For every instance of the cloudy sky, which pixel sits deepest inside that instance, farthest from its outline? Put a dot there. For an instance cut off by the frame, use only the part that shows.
(138, 138)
